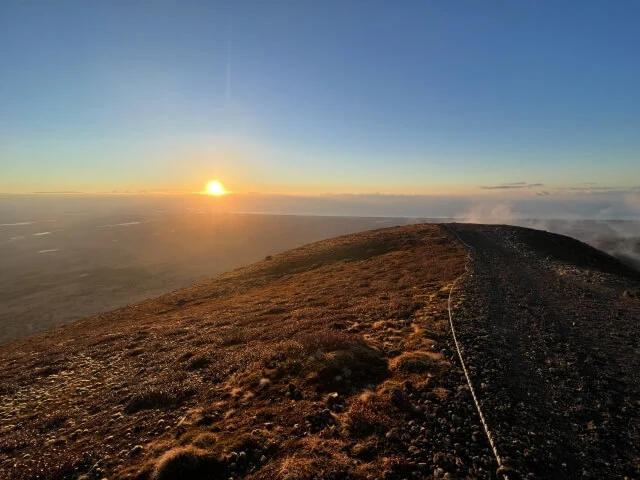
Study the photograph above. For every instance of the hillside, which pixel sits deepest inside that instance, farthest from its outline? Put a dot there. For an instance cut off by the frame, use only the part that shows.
(298, 366)
(336, 361)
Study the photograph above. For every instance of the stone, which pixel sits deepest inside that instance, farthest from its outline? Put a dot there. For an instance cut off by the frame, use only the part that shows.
(137, 450)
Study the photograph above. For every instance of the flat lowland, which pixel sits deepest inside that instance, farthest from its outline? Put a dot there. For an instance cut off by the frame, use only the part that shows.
(69, 267)
(322, 362)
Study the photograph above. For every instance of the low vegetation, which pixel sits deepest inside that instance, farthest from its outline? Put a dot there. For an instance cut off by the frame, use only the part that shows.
(188, 462)
(300, 366)
(416, 362)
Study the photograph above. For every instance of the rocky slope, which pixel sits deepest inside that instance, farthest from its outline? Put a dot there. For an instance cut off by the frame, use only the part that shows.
(550, 328)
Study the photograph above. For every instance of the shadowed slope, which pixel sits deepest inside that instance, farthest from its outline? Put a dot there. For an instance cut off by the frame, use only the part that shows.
(550, 329)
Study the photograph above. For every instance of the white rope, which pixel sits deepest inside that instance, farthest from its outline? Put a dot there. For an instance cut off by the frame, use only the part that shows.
(464, 367)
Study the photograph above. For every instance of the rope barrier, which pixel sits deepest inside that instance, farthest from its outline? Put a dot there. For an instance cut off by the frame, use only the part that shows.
(501, 467)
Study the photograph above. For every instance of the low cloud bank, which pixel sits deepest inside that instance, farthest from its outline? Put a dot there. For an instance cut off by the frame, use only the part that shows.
(488, 209)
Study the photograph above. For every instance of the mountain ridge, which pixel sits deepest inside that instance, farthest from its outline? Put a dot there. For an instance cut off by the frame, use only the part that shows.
(333, 360)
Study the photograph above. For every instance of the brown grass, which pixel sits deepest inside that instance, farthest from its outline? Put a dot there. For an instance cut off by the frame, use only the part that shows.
(313, 459)
(416, 362)
(209, 380)
(367, 415)
(189, 462)
(165, 395)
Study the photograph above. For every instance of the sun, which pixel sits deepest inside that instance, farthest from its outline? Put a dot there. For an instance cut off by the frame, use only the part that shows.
(215, 188)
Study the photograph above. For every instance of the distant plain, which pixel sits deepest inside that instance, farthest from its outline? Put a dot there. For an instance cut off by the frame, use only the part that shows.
(65, 257)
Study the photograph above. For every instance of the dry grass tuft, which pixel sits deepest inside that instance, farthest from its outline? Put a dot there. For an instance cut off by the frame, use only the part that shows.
(160, 396)
(315, 459)
(367, 416)
(415, 362)
(188, 462)
(305, 468)
(205, 440)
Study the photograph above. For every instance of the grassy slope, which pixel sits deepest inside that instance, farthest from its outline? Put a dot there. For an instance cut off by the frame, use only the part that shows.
(240, 363)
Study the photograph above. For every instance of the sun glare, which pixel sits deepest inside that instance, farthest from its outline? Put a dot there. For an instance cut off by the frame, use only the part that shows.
(215, 188)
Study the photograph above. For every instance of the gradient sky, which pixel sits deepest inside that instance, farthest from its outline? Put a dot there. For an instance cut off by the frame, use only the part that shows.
(405, 97)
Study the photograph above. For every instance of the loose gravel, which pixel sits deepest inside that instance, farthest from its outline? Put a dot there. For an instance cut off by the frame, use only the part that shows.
(551, 342)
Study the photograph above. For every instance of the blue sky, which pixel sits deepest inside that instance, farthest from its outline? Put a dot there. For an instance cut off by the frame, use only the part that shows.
(407, 97)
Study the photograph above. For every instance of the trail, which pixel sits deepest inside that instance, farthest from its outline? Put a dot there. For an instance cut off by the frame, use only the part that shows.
(552, 349)
(458, 347)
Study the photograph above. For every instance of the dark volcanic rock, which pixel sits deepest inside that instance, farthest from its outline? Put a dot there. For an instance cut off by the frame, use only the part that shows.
(552, 353)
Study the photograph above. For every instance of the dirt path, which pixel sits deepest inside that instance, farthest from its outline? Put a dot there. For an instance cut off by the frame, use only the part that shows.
(552, 347)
